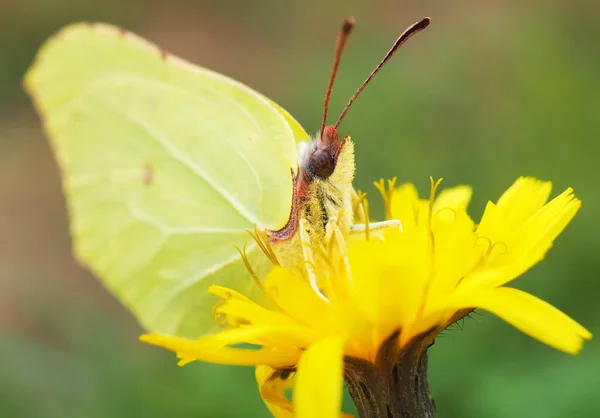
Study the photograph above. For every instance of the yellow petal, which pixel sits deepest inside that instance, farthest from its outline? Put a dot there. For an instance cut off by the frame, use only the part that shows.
(541, 229)
(293, 295)
(404, 205)
(523, 247)
(529, 314)
(237, 312)
(391, 277)
(501, 221)
(227, 294)
(524, 197)
(455, 250)
(216, 348)
(272, 391)
(456, 198)
(318, 391)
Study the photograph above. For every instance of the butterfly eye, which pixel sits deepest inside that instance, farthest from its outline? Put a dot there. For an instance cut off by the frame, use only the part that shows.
(321, 163)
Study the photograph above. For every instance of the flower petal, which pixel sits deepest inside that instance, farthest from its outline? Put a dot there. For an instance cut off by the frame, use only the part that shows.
(529, 314)
(502, 221)
(318, 391)
(272, 391)
(520, 249)
(546, 224)
(391, 277)
(404, 205)
(227, 293)
(216, 348)
(525, 196)
(456, 253)
(456, 198)
(294, 295)
(237, 312)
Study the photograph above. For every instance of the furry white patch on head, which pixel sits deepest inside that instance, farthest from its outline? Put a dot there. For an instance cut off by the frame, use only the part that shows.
(304, 149)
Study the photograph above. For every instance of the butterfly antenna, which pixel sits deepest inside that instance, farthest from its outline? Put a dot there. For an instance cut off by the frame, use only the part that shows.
(410, 31)
(340, 43)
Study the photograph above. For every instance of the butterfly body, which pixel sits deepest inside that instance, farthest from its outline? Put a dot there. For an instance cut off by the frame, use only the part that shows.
(322, 191)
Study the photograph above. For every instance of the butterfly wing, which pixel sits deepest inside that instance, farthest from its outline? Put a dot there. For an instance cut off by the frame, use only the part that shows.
(165, 165)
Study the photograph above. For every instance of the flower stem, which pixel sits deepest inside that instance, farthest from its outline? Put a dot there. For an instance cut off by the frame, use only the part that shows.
(392, 388)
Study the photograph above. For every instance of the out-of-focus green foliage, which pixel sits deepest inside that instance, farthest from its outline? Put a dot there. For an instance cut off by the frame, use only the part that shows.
(489, 92)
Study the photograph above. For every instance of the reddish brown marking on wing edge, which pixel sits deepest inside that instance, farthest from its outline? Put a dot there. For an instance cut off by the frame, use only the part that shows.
(147, 174)
(164, 54)
(291, 227)
(122, 31)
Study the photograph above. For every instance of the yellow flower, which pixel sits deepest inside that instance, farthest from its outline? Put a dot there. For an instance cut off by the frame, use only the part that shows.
(382, 301)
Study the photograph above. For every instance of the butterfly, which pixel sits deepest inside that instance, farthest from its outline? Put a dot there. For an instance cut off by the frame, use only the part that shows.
(166, 165)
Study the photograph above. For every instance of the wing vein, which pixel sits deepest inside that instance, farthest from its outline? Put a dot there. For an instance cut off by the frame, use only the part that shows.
(190, 281)
(180, 157)
(178, 90)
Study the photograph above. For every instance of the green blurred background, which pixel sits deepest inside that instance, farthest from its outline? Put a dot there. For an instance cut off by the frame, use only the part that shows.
(492, 90)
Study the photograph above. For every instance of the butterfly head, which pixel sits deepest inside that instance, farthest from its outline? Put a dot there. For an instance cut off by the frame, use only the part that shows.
(324, 187)
(322, 161)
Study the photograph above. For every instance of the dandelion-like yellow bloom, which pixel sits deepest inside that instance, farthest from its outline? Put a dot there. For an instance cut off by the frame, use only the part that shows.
(382, 301)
